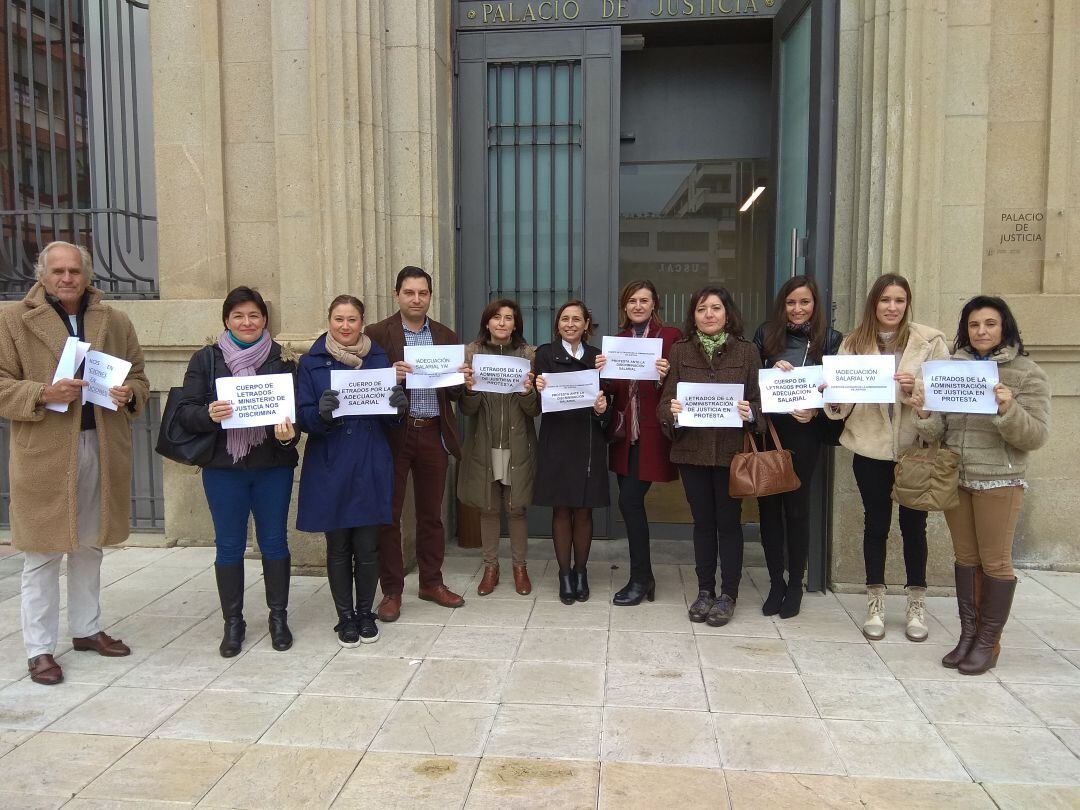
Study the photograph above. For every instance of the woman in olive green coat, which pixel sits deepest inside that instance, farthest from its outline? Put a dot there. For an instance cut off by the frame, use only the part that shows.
(498, 459)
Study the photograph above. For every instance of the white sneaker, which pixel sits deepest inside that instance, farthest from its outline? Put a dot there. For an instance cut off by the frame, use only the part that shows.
(916, 614)
(874, 626)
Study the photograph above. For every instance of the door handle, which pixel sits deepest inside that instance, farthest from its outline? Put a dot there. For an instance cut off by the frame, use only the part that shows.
(798, 249)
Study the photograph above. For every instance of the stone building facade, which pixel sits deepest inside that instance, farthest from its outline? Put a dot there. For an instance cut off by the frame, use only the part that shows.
(307, 147)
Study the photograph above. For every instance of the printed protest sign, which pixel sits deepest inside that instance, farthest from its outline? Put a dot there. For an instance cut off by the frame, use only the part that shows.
(363, 392)
(569, 390)
(102, 372)
(500, 374)
(264, 399)
(709, 404)
(960, 386)
(71, 357)
(787, 391)
(434, 366)
(631, 358)
(860, 378)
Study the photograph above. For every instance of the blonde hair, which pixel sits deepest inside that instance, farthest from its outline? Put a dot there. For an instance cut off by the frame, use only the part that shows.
(864, 337)
(43, 258)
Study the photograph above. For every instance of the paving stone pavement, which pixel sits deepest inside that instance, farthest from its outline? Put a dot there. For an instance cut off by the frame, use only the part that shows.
(524, 702)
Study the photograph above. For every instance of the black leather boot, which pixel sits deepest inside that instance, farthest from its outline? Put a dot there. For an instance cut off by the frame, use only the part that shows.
(276, 575)
(581, 584)
(792, 600)
(566, 589)
(230, 585)
(634, 592)
(777, 591)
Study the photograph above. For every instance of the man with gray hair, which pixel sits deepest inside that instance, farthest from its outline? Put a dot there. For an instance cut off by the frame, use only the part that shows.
(69, 467)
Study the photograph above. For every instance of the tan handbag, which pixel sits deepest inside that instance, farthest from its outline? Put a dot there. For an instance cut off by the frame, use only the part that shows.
(927, 478)
(765, 472)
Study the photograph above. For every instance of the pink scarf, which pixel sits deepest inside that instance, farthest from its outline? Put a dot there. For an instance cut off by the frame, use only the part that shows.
(244, 363)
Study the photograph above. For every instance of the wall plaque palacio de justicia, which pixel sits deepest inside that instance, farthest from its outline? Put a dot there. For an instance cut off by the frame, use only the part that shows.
(513, 13)
(1014, 233)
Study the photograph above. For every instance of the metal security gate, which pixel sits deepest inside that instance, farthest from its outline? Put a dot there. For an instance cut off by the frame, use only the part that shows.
(76, 145)
(147, 494)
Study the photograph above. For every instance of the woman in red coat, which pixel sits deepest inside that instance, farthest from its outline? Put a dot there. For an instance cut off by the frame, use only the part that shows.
(642, 455)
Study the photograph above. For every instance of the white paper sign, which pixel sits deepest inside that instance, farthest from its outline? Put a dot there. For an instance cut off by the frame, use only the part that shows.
(434, 366)
(709, 404)
(71, 357)
(102, 372)
(860, 378)
(569, 390)
(960, 386)
(500, 374)
(630, 358)
(787, 391)
(263, 399)
(363, 392)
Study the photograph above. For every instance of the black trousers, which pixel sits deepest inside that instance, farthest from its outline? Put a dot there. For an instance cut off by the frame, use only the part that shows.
(352, 559)
(632, 493)
(785, 518)
(875, 479)
(717, 527)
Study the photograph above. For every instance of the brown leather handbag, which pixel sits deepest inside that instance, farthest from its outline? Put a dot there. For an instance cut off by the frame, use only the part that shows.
(755, 473)
(927, 478)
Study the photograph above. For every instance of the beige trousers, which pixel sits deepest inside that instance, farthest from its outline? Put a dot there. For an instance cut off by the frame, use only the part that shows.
(515, 519)
(982, 528)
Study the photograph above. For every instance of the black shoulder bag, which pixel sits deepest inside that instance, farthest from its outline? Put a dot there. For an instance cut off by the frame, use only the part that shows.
(174, 440)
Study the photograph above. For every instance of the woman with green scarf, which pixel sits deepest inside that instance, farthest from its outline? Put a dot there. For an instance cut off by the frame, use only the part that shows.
(713, 351)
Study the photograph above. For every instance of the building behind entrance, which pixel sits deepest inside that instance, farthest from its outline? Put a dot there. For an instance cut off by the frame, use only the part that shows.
(548, 149)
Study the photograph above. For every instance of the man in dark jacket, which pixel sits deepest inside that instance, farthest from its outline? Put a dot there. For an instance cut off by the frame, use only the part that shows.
(422, 446)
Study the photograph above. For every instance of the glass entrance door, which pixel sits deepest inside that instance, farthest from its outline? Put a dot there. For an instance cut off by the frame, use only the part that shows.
(805, 35)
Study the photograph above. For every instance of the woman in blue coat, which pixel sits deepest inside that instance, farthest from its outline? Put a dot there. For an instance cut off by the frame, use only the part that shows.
(347, 480)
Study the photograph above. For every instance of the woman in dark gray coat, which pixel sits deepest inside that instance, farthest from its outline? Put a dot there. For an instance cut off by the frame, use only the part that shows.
(571, 466)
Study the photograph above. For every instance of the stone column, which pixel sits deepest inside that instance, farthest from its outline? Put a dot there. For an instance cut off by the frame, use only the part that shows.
(302, 148)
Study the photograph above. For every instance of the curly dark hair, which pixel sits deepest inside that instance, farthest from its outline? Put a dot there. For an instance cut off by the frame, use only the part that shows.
(1010, 330)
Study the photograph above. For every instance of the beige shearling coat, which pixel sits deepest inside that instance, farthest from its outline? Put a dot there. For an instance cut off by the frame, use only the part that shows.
(870, 430)
(994, 447)
(44, 444)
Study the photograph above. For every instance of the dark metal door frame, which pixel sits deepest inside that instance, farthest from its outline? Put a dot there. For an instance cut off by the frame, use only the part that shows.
(820, 209)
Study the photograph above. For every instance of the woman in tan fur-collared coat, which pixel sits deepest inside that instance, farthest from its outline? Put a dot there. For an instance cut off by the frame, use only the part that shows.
(44, 443)
(993, 450)
(876, 434)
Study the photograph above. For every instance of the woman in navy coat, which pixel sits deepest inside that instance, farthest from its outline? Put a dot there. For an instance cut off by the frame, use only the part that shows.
(347, 480)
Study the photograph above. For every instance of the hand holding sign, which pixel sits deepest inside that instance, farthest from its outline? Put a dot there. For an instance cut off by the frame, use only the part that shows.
(569, 390)
(435, 366)
(961, 386)
(709, 405)
(102, 373)
(264, 399)
(790, 391)
(627, 358)
(363, 392)
(500, 374)
(859, 378)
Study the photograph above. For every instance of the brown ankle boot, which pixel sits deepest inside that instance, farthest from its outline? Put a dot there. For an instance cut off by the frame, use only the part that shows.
(994, 607)
(968, 587)
(489, 580)
(521, 580)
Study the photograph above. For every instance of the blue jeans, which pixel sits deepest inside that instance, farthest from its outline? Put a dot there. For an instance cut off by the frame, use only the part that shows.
(233, 495)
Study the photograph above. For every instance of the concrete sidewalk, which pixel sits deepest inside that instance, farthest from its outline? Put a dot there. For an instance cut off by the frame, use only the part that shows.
(522, 701)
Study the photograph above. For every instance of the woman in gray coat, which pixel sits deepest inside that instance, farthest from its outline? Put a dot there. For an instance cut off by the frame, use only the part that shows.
(993, 451)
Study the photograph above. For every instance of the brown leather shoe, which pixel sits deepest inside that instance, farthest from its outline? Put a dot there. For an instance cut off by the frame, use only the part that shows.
(441, 595)
(489, 580)
(521, 580)
(103, 644)
(389, 608)
(44, 670)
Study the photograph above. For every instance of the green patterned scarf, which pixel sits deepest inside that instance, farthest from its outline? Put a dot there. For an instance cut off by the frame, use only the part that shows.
(710, 343)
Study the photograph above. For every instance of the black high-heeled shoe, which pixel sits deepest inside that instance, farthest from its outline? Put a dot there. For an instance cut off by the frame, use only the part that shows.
(566, 589)
(634, 592)
(581, 584)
